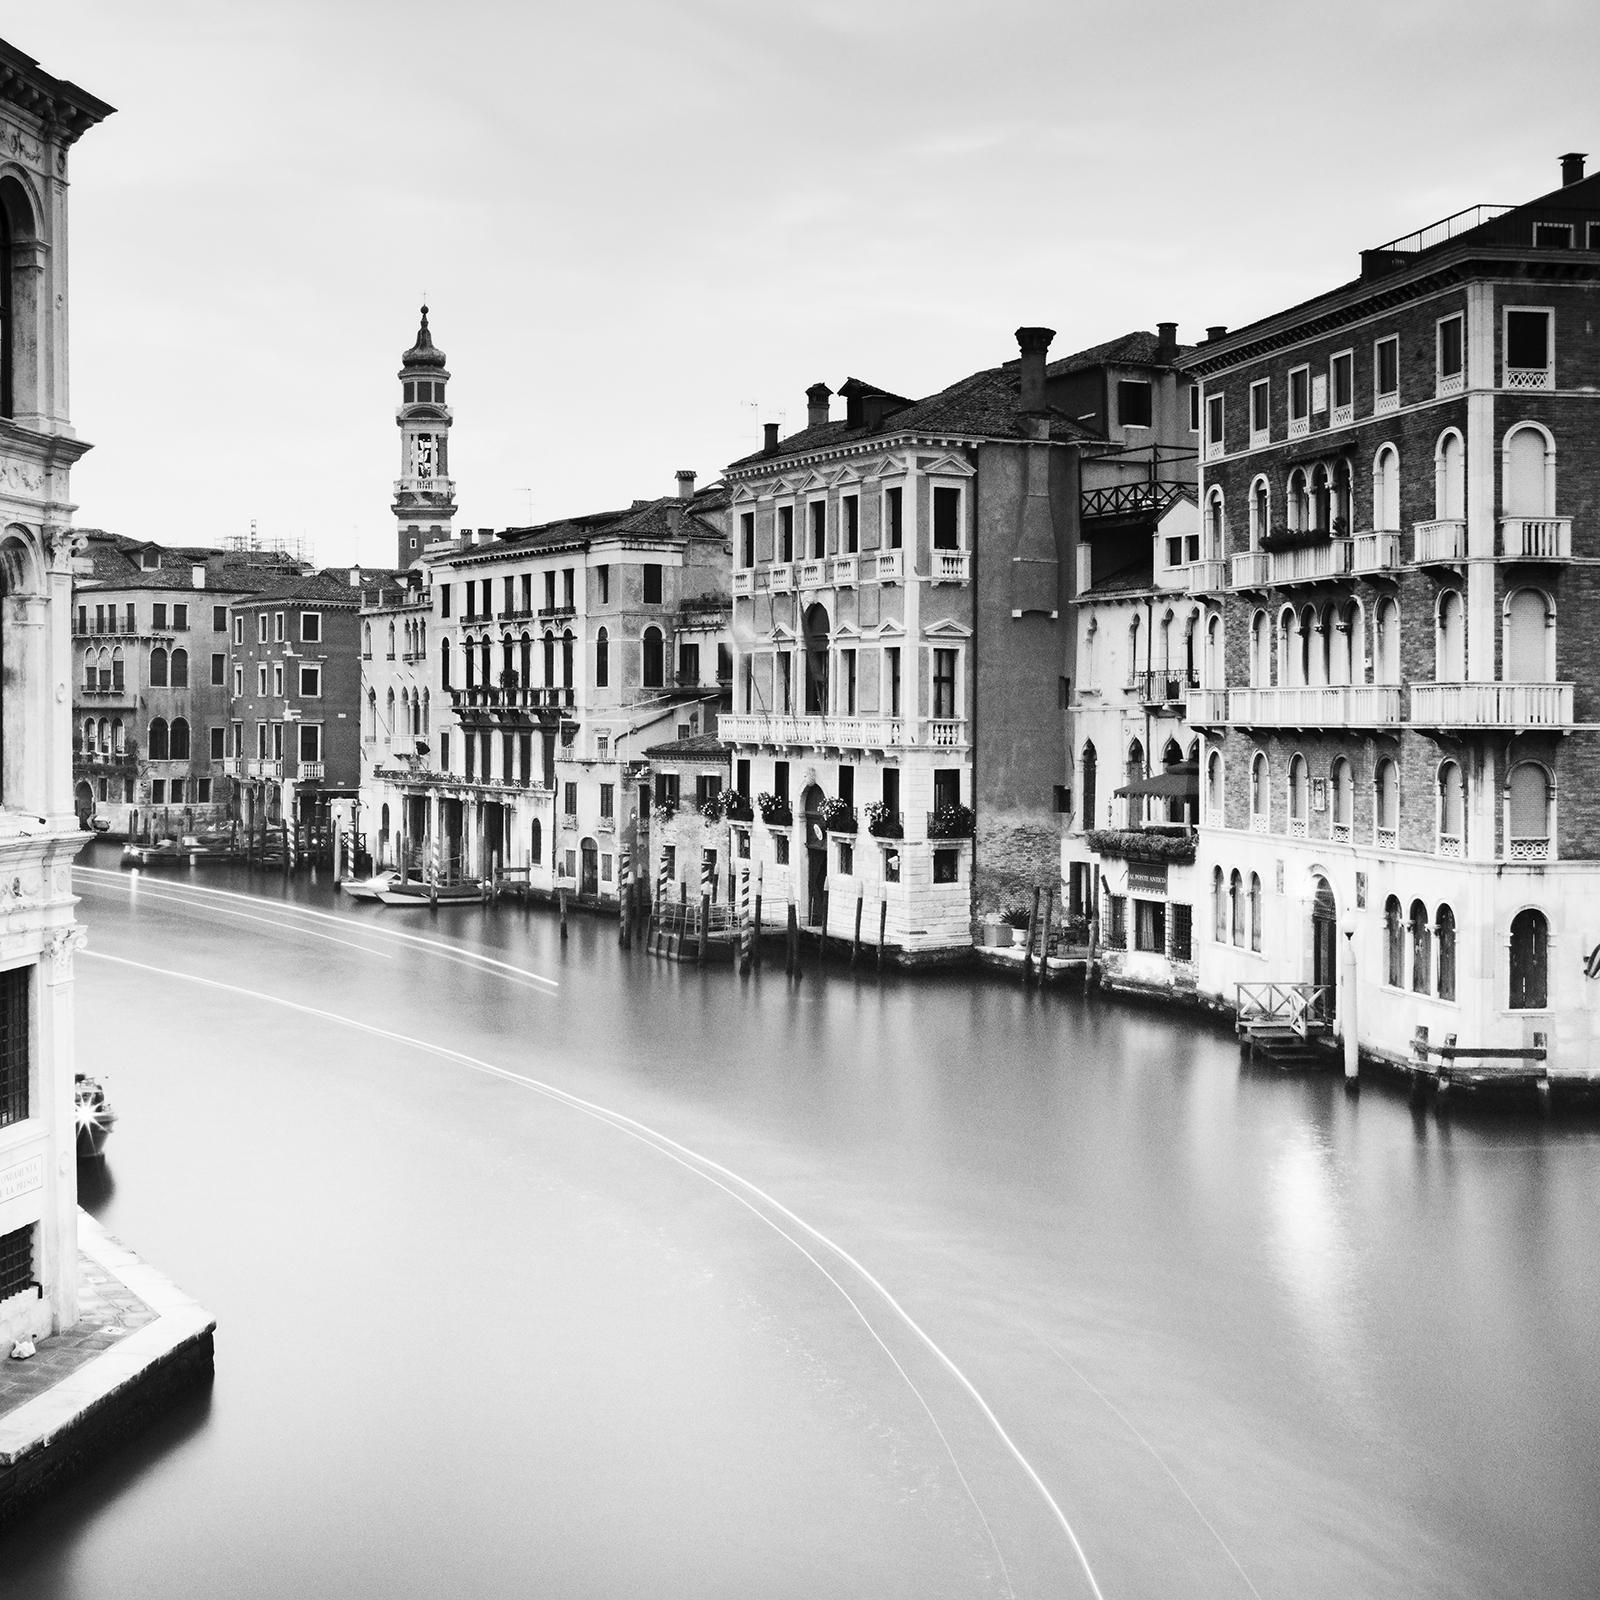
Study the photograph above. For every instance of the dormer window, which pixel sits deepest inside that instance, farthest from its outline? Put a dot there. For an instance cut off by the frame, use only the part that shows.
(149, 560)
(1133, 404)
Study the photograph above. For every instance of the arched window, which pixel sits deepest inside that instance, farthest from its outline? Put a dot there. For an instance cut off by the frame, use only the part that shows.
(180, 669)
(1260, 794)
(180, 739)
(391, 641)
(1528, 789)
(118, 737)
(1386, 490)
(1344, 792)
(103, 734)
(1394, 944)
(366, 641)
(118, 668)
(1421, 949)
(1214, 789)
(508, 659)
(566, 658)
(1353, 643)
(1386, 804)
(486, 662)
(158, 668)
(388, 716)
(87, 742)
(1313, 663)
(1133, 771)
(1215, 675)
(1260, 512)
(653, 667)
(1260, 652)
(1530, 473)
(1299, 501)
(1288, 646)
(602, 659)
(1452, 810)
(525, 657)
(1299, 800)
(159, 744)
(1450, 477)
(1450, 644)
(1086, 811)
(535, 844)
(416, 714)
(1343, 499)
(550, 660)
(372, 713)
(1216, 524)
(1530, 961)
(91, 678)
(444, 663)
(1133, 651)
(424, 710)
(1236, 906)
(1219, 907)
(1386, 643)
(1530, 637)
(1321, 499)
(1444, 932)
(1255, 911)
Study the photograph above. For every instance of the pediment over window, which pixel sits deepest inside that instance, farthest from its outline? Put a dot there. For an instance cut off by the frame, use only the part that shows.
(947, 466)
(946, 629)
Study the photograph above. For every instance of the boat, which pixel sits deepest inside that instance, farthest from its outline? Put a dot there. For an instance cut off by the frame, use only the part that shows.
(370, 888)
(417, 893)
(95, 1117)
(166, 853)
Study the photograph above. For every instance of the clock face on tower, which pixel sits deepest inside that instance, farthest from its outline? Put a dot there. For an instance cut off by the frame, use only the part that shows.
(422, 456)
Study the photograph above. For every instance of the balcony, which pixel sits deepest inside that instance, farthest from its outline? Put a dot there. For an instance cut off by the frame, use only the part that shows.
(744, 582)
(811, 574)
(1330, 705)
(1374, 552)
(312, 771)
(1206, 708)
(1251, 569)
(1164, 686)
(780, 577)
(950, 566)
(1530, 377)
(1434, 542)
(605, 825)
(1208, 577)
(266, 767)
(1491, 705)
(1536, 538)
(842, 569)
(553, 613)
(509, 705)
(890, 567)
(845, 733)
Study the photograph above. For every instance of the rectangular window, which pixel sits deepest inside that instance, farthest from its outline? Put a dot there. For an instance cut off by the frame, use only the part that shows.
(946, 866)
(237, 735)
(180, 618)
(311, 627)
(847, 683)
(1386, 374)
(1342, 383)
(1299, 401)
(652, 583)
(785, 533)
(509, 604)
(817, 510)
(444, 599)
(1117, 935)
(277, 680)
(261, 741)
(444, 752)
(569, 799)
(261, 627)
(893, 508)
(277, 627)
(891, 665)
(1133, 403)
(550, 590)
(747, 539)
(219, 669)
(1183, 933)
(946, 519)
(1528, 363)
(780, 779)
(1451, 354)
(850, 507)
(847, 857)
(310, 741)
(202, 791)
(847, 785)
(1260, 412)
(602, 583)
(311, 682)
(785, 684)
(158, 616)
(688, 665)
(99, 618)
(1150, 926)
(238, 680)
(780, 849)
(568, 589)
(1214, 421)
(944, 684)
(133, 624)
(891, 865)
(15, 1046)
(158, 791)
(1194, 408)
(741, 780)
(707, 786)
(219, 619)
(1552, 235)
(261, 678)
(218, 736)
(608, 793)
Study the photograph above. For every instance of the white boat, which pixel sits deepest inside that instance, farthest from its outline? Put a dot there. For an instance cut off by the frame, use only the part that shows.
(417, 893)
(370, 888)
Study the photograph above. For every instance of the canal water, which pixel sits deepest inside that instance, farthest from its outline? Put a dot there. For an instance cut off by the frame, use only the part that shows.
(543, 1267)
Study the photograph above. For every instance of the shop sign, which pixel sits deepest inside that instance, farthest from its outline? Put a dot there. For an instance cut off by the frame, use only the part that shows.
(1147, 877)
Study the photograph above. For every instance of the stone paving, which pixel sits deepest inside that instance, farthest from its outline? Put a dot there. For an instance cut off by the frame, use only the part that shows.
(108, 1310)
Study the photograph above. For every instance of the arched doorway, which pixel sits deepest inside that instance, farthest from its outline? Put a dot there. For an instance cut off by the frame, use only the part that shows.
(816, 854)
(1325, 950)
(815, 639)
(83, 802)
(588, 867)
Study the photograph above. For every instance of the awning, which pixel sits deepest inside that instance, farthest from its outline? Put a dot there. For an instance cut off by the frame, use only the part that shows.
(1176, 783)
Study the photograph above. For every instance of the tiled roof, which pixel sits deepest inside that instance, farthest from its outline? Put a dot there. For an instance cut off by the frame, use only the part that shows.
(700, 746)
(984, 404)
(644, 519)
(331, 586)
(1136, 349)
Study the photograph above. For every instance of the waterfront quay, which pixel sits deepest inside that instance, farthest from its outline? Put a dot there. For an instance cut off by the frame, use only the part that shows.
(544, 1266)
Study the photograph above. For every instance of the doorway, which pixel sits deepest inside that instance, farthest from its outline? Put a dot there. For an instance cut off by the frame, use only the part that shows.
(816, 854)
(1325, 951)
(589, 868)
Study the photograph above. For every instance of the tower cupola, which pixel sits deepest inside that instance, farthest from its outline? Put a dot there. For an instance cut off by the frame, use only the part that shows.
(424, 495)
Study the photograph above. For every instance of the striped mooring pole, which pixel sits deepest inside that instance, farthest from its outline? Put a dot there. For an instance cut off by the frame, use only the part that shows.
(624, 897)
(746, 926)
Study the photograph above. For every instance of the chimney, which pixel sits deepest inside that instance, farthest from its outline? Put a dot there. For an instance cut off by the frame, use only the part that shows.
(1166, 341)
(355, 577)
(1033, 343)
(769, 443)
(1572, 168)
(685, 483)
(197, 575)
(1217, 330)
(817, 397)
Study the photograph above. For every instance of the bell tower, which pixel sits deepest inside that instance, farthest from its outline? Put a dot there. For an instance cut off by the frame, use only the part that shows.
(424, 493)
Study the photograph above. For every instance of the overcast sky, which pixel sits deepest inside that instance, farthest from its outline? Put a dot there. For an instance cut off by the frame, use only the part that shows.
(645, 228)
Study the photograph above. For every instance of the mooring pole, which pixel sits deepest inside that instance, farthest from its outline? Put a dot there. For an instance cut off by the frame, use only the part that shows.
(755, 945)
(562, 900)
(624, 891)
(822, 932)
(1033, 928)
(1044, 942)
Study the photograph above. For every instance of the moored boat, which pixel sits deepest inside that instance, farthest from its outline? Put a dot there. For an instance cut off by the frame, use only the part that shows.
(95, 1117)
(416, 893)
(370, 888)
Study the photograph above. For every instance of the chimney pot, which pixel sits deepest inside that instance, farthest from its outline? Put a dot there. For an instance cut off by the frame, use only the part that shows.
(1034, 343)
(1166, 340)
(1572, 167)
(1217, 330)
(685, 484)
(817, 397)
(769, 441)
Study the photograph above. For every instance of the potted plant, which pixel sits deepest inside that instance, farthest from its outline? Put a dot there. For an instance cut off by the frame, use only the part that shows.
(836, 816)
(712, 808)
(735, 806)
(951, 821)
(775, 811)
(882, 823)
